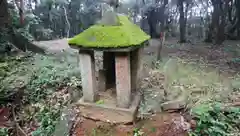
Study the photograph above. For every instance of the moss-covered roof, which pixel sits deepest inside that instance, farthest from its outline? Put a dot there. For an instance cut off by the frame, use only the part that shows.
(115, 36)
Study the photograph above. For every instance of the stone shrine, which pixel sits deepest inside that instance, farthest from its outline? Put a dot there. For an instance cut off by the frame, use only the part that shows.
(116, 97)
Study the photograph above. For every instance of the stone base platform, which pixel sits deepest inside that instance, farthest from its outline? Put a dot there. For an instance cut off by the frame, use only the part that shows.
(107, 110)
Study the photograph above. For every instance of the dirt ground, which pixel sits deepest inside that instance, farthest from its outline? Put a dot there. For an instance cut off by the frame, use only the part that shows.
(162, 124)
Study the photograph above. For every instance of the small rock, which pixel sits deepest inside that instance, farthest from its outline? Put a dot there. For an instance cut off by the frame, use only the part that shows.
(64, 126)
(109, 19)
(182, 124)
(4, 117)
(173, 105)
(193, 124)
(100, 124)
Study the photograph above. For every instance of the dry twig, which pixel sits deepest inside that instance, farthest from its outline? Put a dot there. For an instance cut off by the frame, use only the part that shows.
(18, 128)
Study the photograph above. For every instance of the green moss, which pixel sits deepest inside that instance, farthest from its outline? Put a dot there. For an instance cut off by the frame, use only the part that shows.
(100, 36)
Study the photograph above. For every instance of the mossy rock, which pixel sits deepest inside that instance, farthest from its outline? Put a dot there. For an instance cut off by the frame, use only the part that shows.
(111, 36)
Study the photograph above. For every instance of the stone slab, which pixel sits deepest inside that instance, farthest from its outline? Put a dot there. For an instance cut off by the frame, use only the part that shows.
(122, 49)
(173, 105)
(110, 114)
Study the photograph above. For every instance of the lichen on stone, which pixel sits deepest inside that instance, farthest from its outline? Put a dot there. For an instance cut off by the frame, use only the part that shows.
(110, 36)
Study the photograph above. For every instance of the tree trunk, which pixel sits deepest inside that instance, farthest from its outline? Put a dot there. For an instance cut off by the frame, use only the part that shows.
(20, 6)
(67, 21)
(182, 22)
(162, 33)
(4, 15)
(17, 40)
(217, 25)
(219, 20)
(237, 5)
(209, 33)
(4, 24)
(114, 4)
(21, 12)
(209, 30)
(223, 10)
(216, 21)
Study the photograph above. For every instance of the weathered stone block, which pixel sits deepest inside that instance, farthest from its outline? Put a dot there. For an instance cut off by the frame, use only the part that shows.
(123, 79)
(136, 67)
(173, 105)
(110, 114)
(87, 66)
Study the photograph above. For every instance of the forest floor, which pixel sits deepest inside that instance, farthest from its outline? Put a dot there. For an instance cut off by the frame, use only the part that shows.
(204, 74)
(198, 72)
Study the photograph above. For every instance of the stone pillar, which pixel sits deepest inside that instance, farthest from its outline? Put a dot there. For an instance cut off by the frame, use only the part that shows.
(136, 68)
(123, 79)
(109, 66)
(88, 77)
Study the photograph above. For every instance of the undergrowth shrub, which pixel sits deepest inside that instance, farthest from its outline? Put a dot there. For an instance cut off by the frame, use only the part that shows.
(4, 132)
(215, 120)
(44, 78)
(48, 118)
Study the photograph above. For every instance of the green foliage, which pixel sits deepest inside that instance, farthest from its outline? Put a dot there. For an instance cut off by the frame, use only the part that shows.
(137, 132)
(29, 20)
(9, 66)
(4, 40)
(16, 29)
(4, 132)
(48, 118)
(43, 78)
(214, 120)
(237, 60)
(41, 75)
(234, 49)
(42, 34)
(100, 102)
